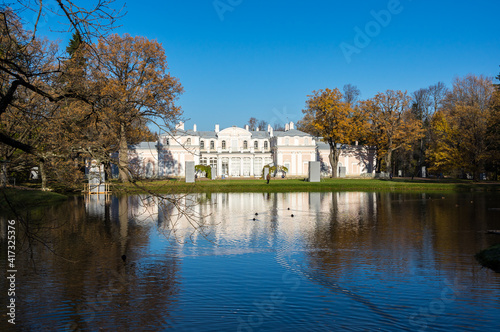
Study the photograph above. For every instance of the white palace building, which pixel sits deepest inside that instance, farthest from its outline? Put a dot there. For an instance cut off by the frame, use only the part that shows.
(240, 152)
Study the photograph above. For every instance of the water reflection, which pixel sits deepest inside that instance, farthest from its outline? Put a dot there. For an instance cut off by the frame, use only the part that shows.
(227, 217)
(247, 261)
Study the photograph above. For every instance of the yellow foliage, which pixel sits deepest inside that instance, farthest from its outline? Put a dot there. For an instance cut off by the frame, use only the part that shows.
(460, 133)
(389, 123)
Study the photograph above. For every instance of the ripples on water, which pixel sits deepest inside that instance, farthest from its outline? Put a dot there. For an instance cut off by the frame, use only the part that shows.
(344, 261)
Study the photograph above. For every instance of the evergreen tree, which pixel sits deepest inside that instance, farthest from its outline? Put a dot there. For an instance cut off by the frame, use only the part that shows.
(74, 44)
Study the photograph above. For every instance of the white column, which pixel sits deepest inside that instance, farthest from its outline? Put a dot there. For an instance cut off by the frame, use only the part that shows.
(300, 168)
(197, 158)
(252, 165)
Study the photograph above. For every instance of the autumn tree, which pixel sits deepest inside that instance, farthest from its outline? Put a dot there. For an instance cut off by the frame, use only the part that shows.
(437, 93)
(391, 126)
(461, 129)
(329, 116)
(261, 125)
(351, 94)
(279, 126)
(29, 62)
(306, 124)
(493, 133)
(252, 123)
(135, 88)
(425, 102)
(31, 69)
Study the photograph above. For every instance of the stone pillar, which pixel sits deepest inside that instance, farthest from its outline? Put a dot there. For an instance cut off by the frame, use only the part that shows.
(219, 165)
(189, 171)
(342, 171)
(314, 171)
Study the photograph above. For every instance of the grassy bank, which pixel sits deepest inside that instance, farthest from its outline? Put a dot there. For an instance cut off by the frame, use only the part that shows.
(299, 185)
(22, 198)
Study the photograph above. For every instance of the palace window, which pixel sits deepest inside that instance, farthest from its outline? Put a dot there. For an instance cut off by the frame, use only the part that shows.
(202, 145)
(245, 145)
(225, 166)
(256, 144)
(188, 141)
(213, 165)
(265, 145)
(257, 166)
(212, 145)
(223, 145)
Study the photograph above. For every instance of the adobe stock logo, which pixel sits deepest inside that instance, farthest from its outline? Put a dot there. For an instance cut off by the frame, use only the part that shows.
(223, 6)
(363, 38)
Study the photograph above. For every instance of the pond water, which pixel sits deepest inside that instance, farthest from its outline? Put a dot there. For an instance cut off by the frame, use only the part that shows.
(353, 261)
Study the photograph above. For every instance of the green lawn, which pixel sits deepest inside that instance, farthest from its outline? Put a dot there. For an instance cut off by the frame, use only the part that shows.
(299, 185)
(21, 199)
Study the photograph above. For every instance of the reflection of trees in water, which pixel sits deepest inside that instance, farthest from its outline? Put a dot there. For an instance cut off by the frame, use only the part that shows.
(365, 229)
(84, 275)
(387, 235)
(332, 251)
(379, 235)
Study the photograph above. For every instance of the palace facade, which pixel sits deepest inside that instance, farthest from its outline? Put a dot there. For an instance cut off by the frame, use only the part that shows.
(241, 152)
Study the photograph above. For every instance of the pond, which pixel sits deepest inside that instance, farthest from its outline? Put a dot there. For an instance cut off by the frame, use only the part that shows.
(353, 261)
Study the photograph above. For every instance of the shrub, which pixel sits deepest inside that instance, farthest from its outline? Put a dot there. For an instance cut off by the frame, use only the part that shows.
(274, 169)
(207, 170)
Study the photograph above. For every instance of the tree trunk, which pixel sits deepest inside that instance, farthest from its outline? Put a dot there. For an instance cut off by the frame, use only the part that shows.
(378, 166)
(334, 158)
(124, 175)
(4, 174)
(387, 160)
(43, 174)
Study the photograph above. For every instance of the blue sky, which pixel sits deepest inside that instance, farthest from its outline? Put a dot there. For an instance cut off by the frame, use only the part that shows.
(243, 58)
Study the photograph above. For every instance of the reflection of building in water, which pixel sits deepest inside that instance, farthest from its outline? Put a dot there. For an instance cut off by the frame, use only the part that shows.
(143, 209)
(96, 204)
(230, 217)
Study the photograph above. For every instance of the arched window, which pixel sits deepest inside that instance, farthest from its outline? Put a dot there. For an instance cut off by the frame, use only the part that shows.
(223, 145)
(188, 141)
(212, 145)
(256, 144)
(202, 145)
(306, 141)
(265, 145)
(245, 145)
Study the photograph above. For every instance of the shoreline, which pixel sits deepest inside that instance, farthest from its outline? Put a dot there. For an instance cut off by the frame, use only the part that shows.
(32, 196)
(300, 185)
